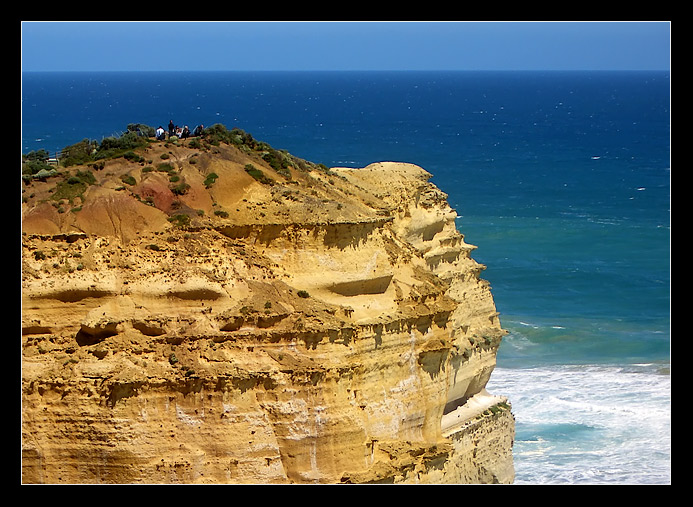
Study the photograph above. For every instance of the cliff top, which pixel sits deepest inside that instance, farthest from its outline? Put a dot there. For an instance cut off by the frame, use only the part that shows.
(220, 179)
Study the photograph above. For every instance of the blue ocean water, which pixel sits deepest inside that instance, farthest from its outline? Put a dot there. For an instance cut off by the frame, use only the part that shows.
(562, 180)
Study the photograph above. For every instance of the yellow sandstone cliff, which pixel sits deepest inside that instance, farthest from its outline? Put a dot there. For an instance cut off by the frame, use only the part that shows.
(200, 323)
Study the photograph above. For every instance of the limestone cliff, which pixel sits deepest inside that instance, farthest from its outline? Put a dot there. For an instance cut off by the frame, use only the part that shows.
(196, 316)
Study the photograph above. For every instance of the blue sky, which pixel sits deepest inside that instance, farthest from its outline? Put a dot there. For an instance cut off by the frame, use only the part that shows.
(99, 46)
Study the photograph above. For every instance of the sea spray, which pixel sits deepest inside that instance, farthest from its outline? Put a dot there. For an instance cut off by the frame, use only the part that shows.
(590, 424)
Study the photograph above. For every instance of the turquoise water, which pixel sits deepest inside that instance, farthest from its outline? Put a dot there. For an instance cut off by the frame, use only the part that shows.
(561, 179)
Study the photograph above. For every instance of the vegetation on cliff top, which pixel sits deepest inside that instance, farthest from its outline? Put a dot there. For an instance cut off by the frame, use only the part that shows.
(37, 164)
(72, 170)
(122, 164)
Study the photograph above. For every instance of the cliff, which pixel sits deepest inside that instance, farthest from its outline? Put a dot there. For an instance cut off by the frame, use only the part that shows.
(193, 315)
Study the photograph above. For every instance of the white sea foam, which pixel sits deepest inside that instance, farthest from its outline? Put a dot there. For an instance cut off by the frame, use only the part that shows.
(589, 424)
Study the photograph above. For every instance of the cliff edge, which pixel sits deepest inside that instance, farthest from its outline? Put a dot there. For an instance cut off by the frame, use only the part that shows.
(204, 313)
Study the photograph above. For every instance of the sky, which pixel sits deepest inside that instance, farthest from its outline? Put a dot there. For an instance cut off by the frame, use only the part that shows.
(203, 46)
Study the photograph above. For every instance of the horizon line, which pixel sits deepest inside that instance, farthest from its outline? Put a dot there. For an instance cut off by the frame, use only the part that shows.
(342, 70)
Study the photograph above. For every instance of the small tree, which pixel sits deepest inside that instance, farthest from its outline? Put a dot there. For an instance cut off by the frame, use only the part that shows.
(78, 153)
(34, 162)
(141, 129)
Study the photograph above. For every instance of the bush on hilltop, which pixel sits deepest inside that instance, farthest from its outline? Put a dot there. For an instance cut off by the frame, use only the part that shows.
(89, 152)
(79, 153)
(113, 147)
(35, 165)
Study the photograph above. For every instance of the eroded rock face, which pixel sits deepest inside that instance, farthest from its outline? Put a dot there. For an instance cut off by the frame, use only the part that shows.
(329, 328)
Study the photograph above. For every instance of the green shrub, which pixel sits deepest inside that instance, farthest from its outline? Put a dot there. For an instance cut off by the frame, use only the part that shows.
(78, 153)
(86, 177)
(215, 134)
(132, 156)
(113, 147)
(165, 167)
(35, 162)
(218, 133)
(68, 189)
(128, 179)
(73, 186)
(87, 151)
(210, 179)
(40, 155)
(180, 220)
(42, 174)
(243, 138)
(180, 189)
(144, 130)
(258, 174)
(278, 162)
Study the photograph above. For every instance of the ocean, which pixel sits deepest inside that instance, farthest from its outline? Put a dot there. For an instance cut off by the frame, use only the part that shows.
(562, 180)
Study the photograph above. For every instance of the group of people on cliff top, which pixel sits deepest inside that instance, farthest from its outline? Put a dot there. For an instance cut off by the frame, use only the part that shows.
(175, 130)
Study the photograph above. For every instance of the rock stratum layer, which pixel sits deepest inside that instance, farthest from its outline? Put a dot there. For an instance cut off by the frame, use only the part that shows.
(308, 326)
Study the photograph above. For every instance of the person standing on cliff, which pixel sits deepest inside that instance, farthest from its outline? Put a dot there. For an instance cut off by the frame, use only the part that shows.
(171, 128)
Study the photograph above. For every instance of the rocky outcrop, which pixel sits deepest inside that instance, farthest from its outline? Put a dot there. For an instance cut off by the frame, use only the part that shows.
(311, 326)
